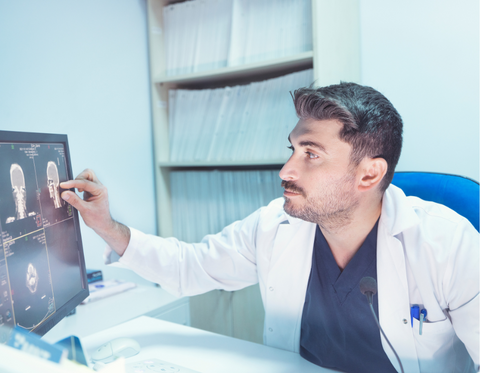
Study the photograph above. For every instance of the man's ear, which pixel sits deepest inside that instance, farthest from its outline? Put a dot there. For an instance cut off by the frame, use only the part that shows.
(373, 170)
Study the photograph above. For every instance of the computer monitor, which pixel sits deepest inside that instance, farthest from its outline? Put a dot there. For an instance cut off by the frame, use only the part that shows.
(42, 264)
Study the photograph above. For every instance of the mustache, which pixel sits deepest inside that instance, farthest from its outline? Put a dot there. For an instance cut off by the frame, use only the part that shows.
(290, 186)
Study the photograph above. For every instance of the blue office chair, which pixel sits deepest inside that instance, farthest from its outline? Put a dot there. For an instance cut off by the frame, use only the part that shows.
(459, 193)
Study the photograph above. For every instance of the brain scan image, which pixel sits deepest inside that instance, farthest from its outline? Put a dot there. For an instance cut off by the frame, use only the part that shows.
(53, 184)
(19, 192)
(32, 278)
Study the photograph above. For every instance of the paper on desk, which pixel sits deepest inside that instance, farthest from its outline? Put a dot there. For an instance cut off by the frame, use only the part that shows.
(103, 289)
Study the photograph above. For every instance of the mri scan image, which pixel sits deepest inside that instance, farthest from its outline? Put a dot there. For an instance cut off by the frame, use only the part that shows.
(32, 278)
(17, 180)
(53, 184)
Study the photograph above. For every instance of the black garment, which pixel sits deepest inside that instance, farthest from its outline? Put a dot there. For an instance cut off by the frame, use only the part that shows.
(338, 329)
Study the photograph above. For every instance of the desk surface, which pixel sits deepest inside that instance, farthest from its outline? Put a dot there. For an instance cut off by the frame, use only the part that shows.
(104, 313)
(200, 350)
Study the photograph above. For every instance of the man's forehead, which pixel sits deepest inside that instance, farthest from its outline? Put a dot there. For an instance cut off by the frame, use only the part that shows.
(316, 128)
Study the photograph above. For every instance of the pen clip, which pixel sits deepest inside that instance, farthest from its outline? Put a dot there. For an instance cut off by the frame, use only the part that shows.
(423, 315)
(414, 313)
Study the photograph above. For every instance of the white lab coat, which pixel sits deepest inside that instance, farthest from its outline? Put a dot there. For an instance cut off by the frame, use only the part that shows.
(426, 255)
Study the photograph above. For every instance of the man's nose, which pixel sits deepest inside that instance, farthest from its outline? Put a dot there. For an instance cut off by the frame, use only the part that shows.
(289, 170)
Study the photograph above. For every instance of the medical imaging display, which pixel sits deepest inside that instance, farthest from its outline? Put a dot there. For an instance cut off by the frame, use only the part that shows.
(40, 261)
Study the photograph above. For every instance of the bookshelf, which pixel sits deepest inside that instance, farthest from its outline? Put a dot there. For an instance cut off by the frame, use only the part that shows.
(335, 56)
(258, 69)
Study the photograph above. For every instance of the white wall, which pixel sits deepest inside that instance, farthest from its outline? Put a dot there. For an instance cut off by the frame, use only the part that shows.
(424, 56)
(81, 68)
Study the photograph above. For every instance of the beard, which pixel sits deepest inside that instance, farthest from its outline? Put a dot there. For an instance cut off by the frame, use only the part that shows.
(331, 209)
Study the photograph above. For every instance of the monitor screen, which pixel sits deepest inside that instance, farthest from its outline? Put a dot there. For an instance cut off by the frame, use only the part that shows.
(42, 265)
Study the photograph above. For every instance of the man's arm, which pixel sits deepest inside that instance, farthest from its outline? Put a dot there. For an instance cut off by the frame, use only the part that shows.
(95, 210)
(462, 286)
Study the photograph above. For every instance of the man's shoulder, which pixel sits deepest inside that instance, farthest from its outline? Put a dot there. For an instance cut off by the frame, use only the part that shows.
(406, 212)
(431, 228)
(433, 211)
(430, 232)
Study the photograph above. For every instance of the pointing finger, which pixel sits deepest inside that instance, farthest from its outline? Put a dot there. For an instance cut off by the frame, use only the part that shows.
(82, 185)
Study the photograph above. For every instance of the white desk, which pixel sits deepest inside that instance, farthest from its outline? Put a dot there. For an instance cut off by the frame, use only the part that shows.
(200, 350)
(104, 313)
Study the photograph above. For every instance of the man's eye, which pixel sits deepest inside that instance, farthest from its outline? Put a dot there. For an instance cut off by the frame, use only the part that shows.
(290, 147)
(311, 155)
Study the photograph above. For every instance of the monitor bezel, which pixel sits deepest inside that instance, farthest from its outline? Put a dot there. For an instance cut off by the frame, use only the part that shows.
(39, 138)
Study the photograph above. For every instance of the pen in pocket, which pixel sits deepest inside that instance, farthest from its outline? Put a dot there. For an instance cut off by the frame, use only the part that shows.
(421, 315)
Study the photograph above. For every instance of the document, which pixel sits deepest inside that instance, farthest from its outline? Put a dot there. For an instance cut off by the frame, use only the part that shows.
(204, 202)
(234, 124)
(202, 35)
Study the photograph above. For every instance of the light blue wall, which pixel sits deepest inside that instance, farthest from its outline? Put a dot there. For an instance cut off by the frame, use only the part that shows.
(81, 68)
(424, 56)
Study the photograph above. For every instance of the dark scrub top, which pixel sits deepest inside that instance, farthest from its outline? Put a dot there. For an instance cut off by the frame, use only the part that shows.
(338, 328)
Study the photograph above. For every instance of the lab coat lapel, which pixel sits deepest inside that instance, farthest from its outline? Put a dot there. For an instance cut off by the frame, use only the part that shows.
(284, 237)
(294, 243)
(292, 236)
(393, 294)
(287, 282)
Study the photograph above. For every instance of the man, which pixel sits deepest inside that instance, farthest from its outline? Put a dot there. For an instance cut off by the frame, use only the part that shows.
(339, 222)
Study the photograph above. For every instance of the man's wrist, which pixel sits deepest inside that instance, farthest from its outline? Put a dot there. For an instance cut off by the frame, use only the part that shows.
(116, 235)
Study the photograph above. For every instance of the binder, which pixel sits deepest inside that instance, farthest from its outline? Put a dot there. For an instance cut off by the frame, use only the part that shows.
(203, 35)
(204, 202)
(240, 123)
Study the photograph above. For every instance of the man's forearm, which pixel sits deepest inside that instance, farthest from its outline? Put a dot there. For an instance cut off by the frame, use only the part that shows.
(117, 236)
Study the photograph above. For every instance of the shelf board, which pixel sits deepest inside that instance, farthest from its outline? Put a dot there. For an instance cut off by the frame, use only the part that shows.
(301, 60)
(208, 164)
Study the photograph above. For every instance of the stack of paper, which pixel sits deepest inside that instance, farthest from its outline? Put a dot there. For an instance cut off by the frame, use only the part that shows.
(103, 289)
(196, 35)
(208, 34)
(269, 29)
(204, 202)
(241, 123)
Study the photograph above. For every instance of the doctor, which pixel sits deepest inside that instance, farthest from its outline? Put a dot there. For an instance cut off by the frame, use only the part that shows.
(340, 220)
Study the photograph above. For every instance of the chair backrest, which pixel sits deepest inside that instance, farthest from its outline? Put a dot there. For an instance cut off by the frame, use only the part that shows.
(459, 193)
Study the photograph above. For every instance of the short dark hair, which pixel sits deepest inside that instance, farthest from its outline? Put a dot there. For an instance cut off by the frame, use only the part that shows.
(370, 122)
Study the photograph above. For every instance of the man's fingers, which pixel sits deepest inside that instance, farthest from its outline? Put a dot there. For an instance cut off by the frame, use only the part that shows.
(74, 200)
(67, 184)
(89, 175)
(82, 185)
(85, 181)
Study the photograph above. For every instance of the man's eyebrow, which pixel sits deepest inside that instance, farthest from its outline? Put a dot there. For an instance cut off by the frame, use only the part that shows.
(310, 143)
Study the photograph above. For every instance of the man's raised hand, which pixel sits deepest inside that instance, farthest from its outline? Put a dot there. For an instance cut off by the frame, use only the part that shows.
(94, 206)
(95, 210)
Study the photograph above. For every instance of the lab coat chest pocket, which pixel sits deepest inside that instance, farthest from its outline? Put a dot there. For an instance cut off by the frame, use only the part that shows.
(434, 344)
